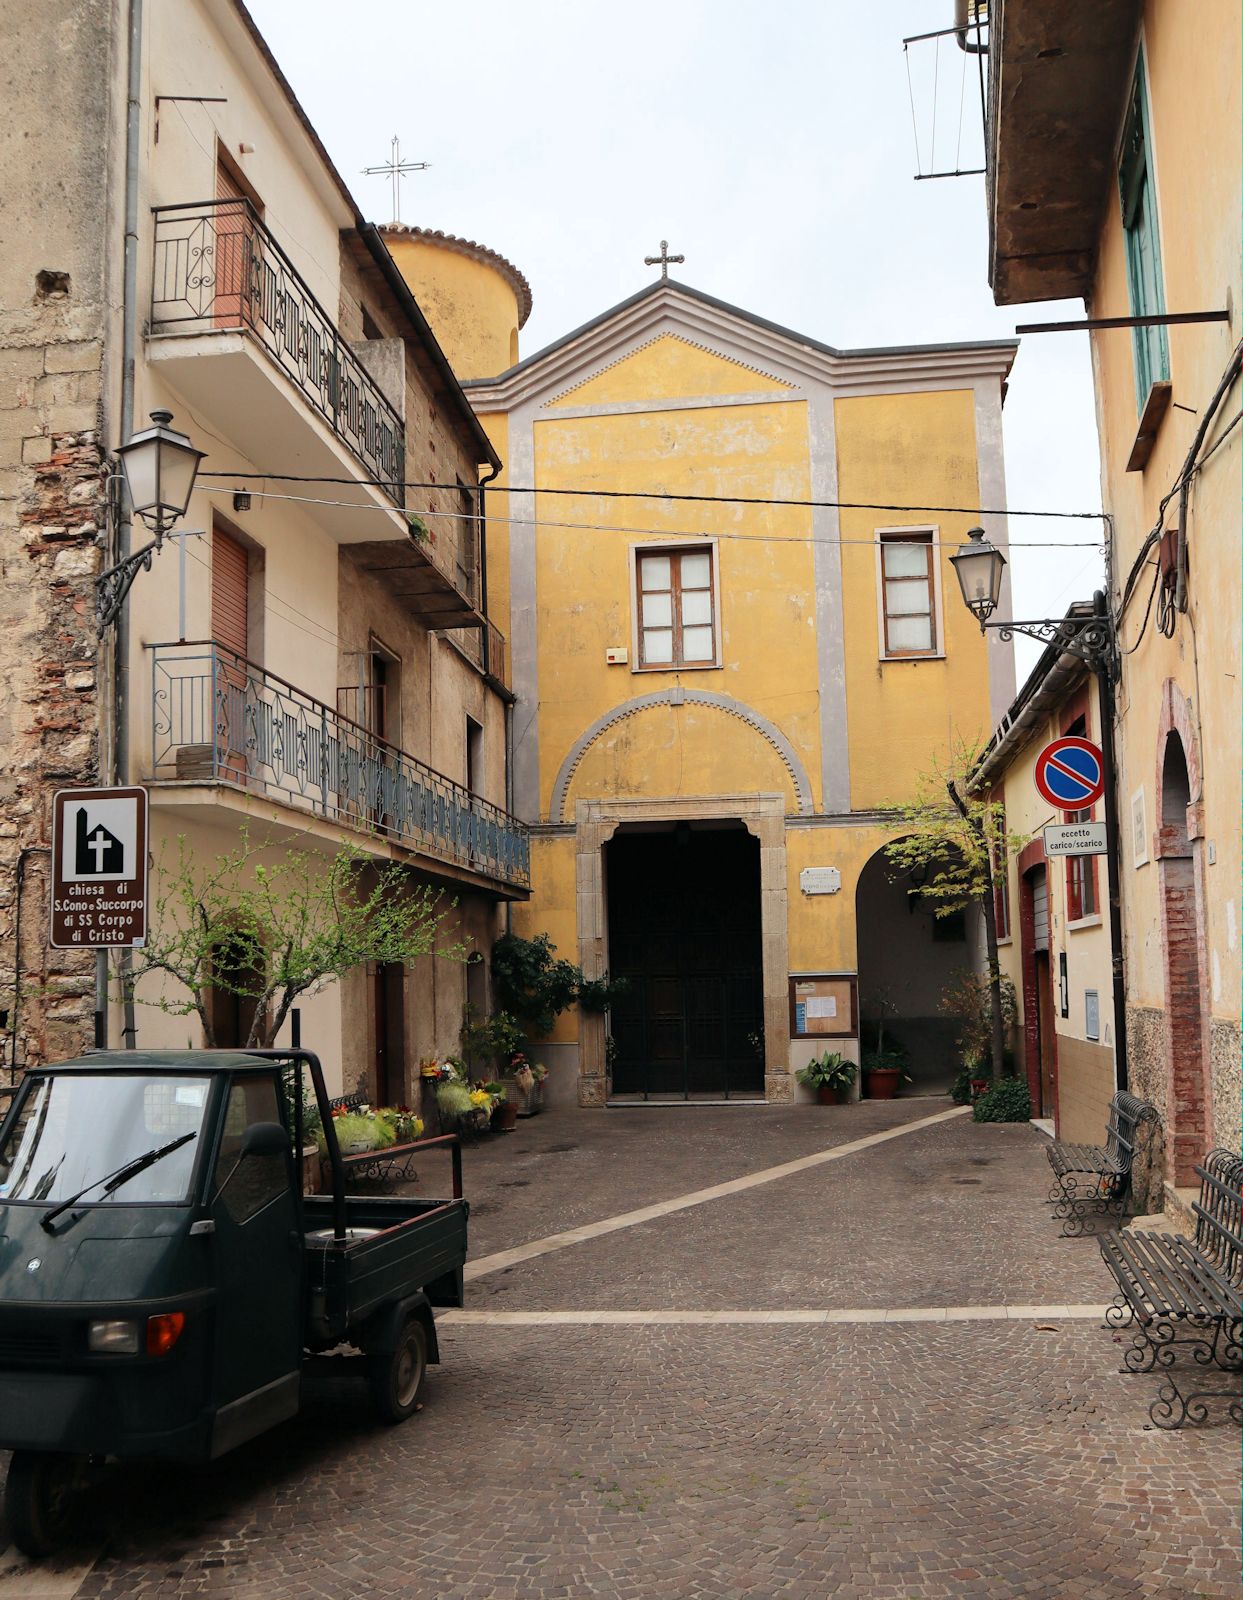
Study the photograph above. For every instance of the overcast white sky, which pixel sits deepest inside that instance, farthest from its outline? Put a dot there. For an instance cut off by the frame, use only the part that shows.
(770, 141)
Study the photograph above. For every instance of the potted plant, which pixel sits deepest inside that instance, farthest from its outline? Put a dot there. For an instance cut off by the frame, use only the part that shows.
(504, 1105)
(454, 1102)
(830, 1075)
(883, 1071)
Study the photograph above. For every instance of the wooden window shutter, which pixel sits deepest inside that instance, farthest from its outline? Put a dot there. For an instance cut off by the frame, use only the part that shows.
(230, 592)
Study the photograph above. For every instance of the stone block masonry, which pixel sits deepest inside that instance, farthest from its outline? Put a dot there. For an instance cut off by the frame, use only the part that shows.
(52, 518)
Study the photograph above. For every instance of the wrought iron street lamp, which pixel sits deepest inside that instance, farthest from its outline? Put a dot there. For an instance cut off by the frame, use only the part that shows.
(1091, 637)
(159, 466)
(980, 565)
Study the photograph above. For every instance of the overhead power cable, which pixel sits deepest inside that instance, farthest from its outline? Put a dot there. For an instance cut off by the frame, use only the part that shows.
(612, 527)
(661, 494)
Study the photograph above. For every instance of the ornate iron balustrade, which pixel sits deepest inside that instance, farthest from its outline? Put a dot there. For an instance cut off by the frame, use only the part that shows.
(218, 267)
(218, 718)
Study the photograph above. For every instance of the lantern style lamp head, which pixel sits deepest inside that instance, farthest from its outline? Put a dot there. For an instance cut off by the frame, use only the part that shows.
(160, 466)
(979, 566)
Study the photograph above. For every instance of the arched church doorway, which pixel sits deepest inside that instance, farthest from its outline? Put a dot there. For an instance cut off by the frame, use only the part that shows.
(1183, 942)
(907, 959)
(684, 932)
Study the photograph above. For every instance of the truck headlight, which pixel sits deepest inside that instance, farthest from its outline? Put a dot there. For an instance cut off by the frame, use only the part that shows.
(112, 1338)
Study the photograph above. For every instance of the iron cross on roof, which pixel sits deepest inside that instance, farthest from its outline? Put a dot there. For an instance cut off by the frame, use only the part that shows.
(664, 260)
(395, 168)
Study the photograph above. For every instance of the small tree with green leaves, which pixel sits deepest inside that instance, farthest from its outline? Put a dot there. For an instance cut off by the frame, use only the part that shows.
(951, 838)
(536, 985)
(309, 919)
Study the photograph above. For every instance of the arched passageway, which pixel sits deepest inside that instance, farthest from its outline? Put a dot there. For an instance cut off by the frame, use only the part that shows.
(1187, 1132)
(907, 959)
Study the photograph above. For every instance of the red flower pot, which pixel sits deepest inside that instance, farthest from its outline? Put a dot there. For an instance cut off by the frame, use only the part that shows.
(881, 1083)
(827, 1096)
(506, 1116)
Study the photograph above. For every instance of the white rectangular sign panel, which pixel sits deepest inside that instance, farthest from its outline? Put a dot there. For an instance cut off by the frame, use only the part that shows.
(820, 880)
(1075, 839)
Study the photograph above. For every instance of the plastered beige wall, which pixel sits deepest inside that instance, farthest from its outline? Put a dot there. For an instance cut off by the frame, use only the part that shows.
(1194, 74)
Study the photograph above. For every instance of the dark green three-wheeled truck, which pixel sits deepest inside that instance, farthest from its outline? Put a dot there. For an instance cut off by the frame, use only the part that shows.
(163, 1278)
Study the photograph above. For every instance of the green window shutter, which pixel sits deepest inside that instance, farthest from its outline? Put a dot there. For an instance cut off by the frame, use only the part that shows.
(1143, 247)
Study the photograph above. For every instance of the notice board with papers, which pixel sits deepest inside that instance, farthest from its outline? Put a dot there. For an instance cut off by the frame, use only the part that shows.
(824, 1005)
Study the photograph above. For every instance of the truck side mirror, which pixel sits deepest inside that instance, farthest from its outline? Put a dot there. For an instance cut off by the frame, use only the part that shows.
(259, 1139)
(264, 1139)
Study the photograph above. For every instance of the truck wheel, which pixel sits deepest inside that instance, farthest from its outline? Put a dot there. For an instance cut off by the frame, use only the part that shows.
(396, 1376)
(38, 1500)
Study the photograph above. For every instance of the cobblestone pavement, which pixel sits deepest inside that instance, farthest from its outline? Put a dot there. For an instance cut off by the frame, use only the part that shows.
(881, 1461)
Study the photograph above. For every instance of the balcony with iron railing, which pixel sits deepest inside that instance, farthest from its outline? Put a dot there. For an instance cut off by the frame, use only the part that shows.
(218, 267)
(219, 719)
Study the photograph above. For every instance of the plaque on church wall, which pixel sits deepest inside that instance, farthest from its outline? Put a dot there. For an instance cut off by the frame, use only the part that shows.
(824, 1005)
(820, 880)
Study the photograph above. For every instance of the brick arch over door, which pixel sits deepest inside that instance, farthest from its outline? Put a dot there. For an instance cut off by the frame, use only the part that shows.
(1178, 847)
(767, 730)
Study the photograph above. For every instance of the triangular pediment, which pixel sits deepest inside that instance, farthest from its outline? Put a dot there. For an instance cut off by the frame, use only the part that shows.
(668, 366)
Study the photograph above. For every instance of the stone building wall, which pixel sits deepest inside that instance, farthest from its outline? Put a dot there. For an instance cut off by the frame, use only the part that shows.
(57, 196)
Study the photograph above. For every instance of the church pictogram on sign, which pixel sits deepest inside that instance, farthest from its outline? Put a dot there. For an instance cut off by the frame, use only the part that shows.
(99, 869)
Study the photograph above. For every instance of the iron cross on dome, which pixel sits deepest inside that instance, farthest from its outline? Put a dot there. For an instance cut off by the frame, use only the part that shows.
(664, 260)
(395, 169)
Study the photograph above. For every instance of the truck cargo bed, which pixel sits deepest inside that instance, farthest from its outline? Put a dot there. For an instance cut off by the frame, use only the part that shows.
(394, 1248)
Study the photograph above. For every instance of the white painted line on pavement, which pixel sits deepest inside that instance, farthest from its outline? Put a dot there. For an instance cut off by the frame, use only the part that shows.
(696, 1197)
(869, 1315)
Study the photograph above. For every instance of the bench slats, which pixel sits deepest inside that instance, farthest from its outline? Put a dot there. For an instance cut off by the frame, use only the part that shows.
(1162, 1276)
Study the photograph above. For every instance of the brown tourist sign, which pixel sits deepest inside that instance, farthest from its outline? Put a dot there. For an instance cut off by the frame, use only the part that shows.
(99, 869)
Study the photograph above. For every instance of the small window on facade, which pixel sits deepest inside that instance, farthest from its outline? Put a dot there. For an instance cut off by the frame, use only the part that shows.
(1143, 246)
(677, 608)
(467, 544)
(908, 594)
(1081, 897)
(474, 756)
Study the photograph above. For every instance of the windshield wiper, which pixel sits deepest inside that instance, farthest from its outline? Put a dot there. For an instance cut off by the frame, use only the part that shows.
(114, 1180)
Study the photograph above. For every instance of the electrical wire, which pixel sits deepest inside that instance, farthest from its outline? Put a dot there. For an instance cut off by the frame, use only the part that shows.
(660, 533)
(910, 89)
(661, 494)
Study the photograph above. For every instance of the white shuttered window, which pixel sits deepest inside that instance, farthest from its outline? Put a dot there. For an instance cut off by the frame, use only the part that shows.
(908, 594)
(676, 602)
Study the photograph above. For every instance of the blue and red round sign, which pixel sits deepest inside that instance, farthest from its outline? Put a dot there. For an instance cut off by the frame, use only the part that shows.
(1070, 774)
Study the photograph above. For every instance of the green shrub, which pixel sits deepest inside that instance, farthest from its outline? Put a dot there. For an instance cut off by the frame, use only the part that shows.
(831, 1070)
(1008, 1101)
(354, 1128)
(454, 1099)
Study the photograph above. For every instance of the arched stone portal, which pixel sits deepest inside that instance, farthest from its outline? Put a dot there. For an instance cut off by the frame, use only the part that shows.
(907, 959)
(1188, 1133)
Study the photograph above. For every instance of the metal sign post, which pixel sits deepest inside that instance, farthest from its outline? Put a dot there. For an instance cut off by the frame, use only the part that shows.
(99, 869)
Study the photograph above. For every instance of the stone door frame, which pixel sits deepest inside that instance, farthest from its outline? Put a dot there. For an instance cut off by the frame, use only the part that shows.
(763, 816)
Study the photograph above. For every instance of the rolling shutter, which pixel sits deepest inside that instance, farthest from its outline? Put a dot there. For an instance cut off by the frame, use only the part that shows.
(230, 592)
(1040, 910)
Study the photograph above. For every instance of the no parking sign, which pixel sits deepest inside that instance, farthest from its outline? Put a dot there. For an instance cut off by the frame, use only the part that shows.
(1070, 774)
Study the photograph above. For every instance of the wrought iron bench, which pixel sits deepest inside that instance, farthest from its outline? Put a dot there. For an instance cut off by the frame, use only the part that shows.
(1174, 1291)
(393, 1164)
(1092, 1182)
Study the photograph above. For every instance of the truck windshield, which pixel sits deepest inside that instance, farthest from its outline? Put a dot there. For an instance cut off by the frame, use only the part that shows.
(75, 1129)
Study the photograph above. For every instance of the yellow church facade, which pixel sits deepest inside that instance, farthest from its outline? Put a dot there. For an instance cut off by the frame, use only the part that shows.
(729, 660)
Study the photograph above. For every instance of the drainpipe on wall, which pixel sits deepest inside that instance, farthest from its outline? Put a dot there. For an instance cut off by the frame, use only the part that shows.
(509, 710)
(961, 23)
(1105, 689)
(129, 343)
